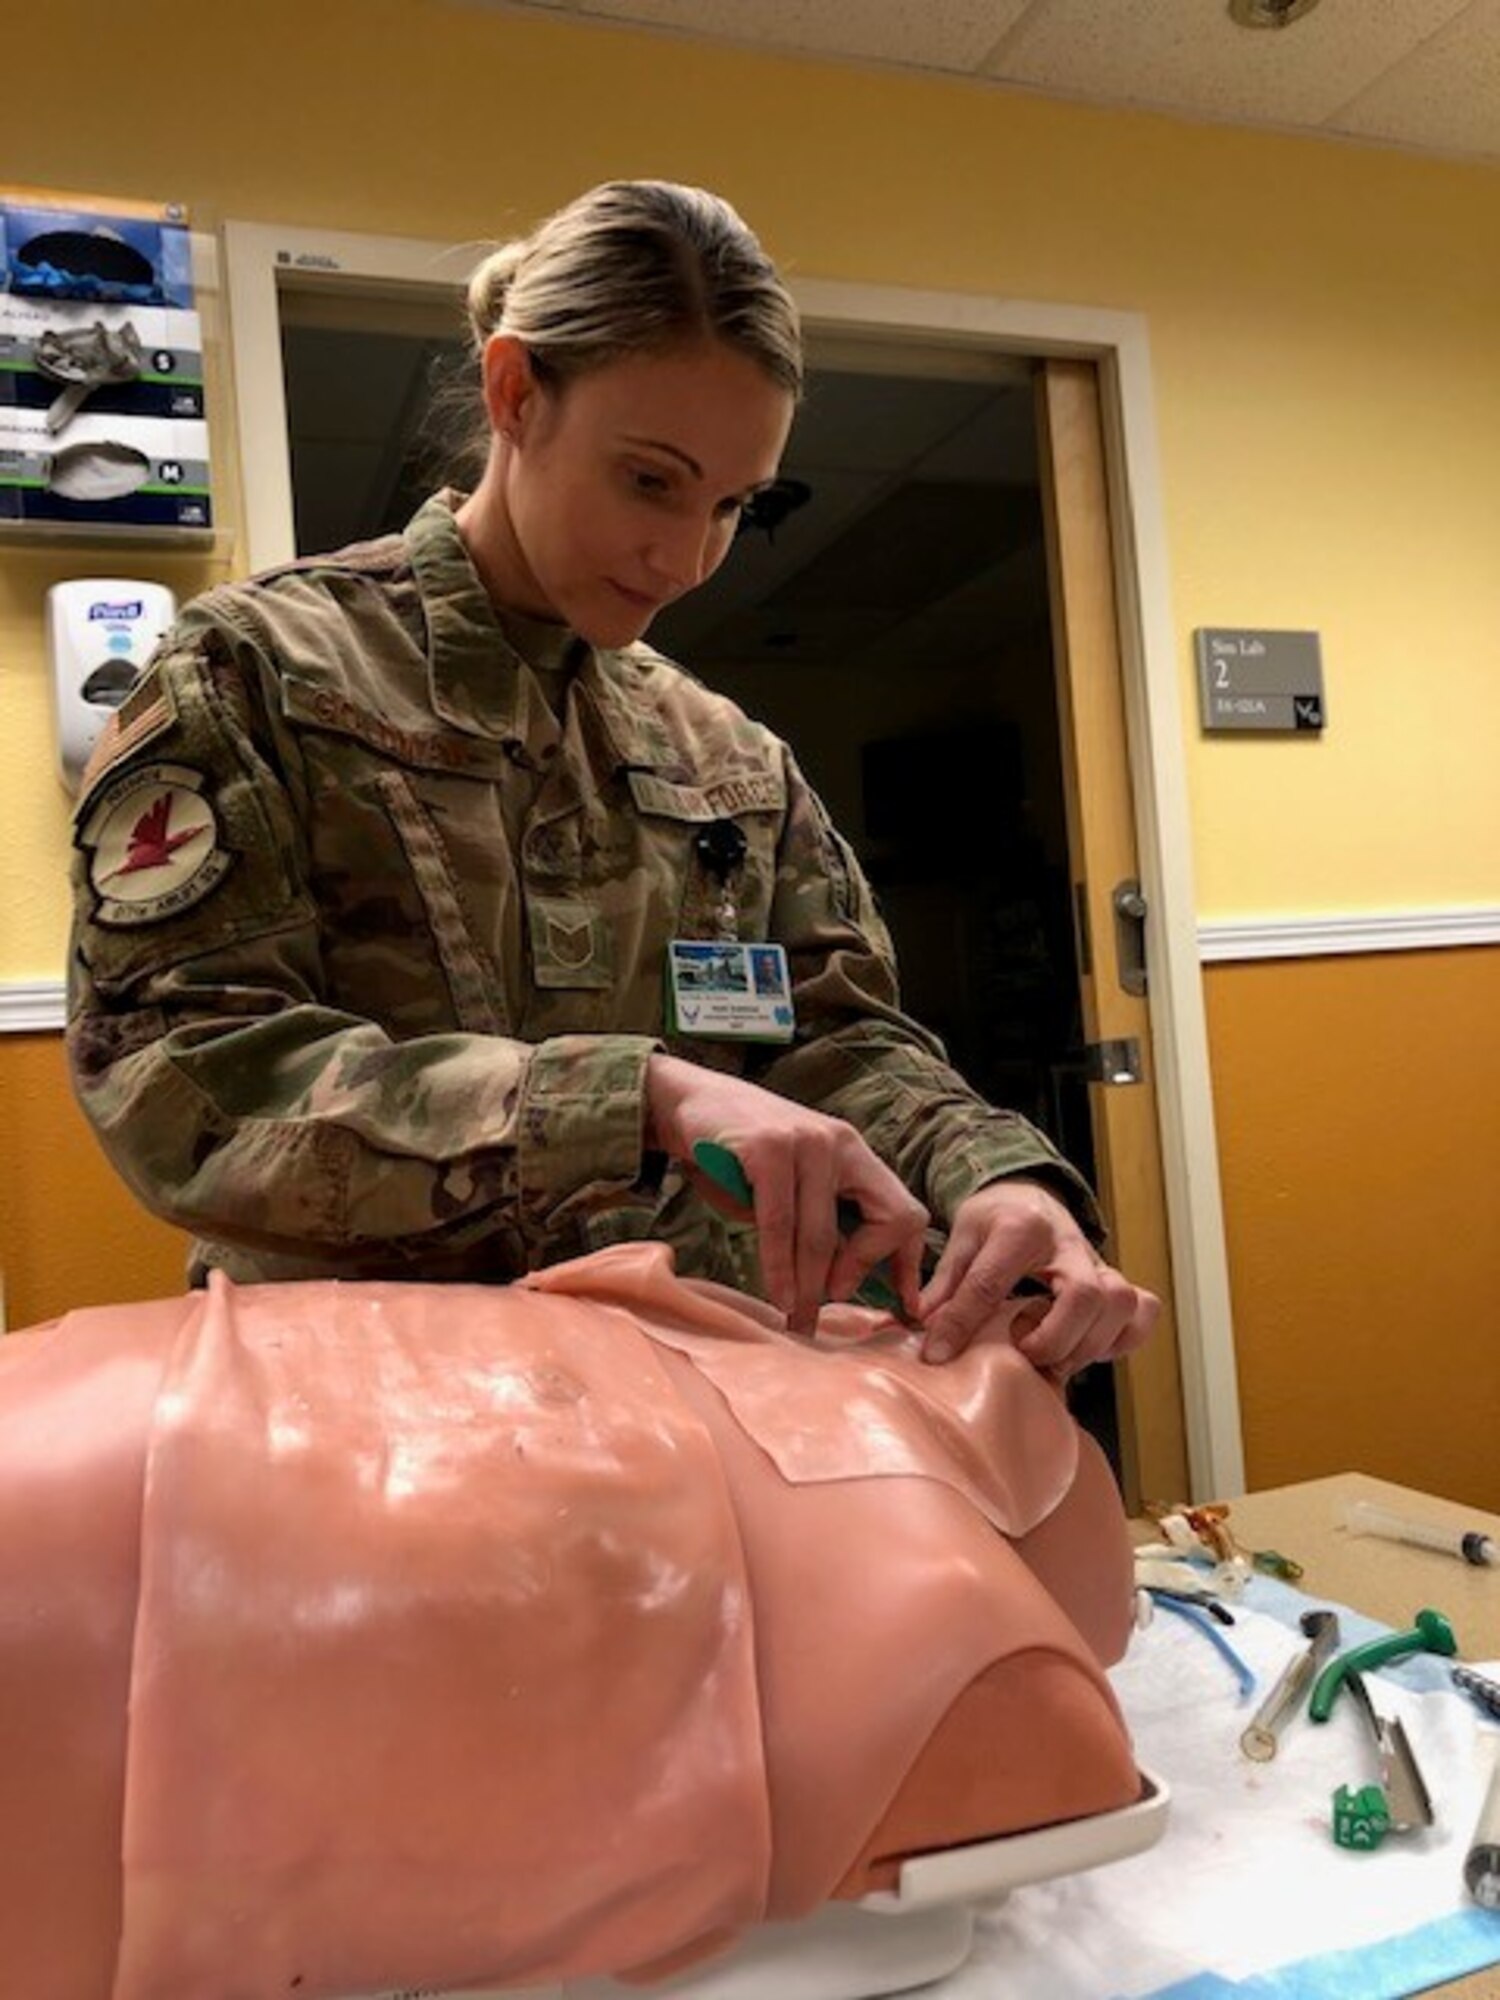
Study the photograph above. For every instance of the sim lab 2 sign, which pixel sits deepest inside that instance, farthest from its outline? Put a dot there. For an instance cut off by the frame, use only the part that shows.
(1259, 680)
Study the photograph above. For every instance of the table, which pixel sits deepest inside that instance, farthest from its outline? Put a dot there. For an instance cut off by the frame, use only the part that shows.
(1385, 1580)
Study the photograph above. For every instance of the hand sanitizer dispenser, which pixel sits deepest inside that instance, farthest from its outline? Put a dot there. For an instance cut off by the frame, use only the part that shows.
(100, 633)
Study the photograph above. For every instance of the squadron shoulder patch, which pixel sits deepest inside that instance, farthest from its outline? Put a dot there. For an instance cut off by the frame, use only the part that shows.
(153, 844)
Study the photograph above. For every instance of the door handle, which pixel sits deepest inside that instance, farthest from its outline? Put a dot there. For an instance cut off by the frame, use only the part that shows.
(1130, 936)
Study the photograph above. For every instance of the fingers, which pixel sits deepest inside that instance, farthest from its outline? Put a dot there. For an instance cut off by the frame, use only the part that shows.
(1011, 1231)
(817, 1241)
(974, 1280)
(965, 1240)
(796, 1191)
(800, 1163)
(1095, 1316)
(906, 1264)
(896, 1242)
(804, 1257)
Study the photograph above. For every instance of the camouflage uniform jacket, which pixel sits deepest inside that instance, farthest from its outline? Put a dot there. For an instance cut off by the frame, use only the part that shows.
(369, 948)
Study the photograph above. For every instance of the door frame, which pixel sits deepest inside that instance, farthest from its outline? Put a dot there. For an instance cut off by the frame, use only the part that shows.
(263, 259)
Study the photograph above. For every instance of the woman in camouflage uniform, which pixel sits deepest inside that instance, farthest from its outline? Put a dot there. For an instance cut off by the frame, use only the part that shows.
(378, 866)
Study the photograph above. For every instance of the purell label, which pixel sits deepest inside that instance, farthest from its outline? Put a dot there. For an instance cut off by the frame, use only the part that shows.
(116, 613)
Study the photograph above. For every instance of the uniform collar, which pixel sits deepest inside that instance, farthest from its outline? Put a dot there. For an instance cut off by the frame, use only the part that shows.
(477, 677)
(479, 681)
(631, 722)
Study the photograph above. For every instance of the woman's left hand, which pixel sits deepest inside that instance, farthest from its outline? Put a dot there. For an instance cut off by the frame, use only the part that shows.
(1016, 1229)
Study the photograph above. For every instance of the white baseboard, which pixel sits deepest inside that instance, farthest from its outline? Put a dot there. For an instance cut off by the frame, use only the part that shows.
(37, 1006)
(1222, 939)
(32, 1006)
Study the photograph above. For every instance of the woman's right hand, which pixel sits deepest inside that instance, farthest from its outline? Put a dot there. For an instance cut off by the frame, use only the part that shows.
(800, 1164)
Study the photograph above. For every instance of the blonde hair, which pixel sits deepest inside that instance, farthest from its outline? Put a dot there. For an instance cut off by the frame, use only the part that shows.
(635, 267)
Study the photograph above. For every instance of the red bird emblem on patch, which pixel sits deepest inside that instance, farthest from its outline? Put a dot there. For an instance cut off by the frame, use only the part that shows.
(151, 845)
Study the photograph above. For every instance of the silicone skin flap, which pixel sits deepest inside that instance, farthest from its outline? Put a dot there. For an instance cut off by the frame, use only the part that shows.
(360, 1637)
(856, 1402)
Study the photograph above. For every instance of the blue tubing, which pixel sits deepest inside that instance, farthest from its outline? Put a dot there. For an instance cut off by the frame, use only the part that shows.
(1242, 1673)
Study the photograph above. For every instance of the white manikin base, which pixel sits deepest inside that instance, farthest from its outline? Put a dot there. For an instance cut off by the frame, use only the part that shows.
(892, 1943)
(840, 1952)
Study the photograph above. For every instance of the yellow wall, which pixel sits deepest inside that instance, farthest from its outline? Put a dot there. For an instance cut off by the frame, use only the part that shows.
(1322, 321)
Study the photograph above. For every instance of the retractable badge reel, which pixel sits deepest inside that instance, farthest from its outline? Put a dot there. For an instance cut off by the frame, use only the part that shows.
(720, 988)
(721, 846)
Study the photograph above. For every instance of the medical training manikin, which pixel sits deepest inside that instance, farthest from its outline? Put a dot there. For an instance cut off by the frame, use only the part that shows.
(364, 1637)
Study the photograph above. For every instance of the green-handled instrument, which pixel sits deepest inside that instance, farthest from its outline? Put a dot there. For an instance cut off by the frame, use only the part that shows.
(1430, 1633)
(722, 1166)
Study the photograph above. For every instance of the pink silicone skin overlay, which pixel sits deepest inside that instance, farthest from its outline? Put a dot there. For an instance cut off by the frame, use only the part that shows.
(357, 1636)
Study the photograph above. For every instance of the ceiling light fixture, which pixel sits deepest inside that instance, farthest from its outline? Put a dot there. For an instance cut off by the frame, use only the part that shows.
(1269, 13)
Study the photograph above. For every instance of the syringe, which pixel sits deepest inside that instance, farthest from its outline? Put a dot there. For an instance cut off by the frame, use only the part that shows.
(1363, 1517)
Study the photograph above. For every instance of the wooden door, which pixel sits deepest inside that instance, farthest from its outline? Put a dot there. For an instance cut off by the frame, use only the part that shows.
(1102, 849)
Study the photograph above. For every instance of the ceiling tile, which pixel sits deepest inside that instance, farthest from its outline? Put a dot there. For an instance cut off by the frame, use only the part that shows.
(1189, 55)
(952, 35)
(1446, 94)
(1419, 73)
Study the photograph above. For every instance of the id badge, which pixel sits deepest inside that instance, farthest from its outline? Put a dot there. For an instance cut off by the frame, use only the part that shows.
(727, 991)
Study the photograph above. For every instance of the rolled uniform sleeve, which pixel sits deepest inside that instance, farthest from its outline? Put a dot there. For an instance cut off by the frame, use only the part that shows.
(858, 1057)
(233, 1099)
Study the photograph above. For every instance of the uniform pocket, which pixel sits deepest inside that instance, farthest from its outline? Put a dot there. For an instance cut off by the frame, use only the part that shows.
(478, 1003)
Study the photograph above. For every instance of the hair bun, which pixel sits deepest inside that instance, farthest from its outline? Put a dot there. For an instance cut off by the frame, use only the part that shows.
(488, 286)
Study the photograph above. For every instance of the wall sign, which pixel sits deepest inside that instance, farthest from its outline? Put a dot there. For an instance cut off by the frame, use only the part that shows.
(1259, 680)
